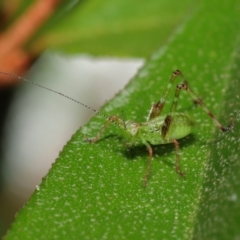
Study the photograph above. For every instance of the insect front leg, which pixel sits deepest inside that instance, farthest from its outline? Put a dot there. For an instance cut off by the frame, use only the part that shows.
(111, 119)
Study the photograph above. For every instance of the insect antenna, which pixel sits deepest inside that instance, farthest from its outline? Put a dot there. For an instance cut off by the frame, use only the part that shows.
(59, 93)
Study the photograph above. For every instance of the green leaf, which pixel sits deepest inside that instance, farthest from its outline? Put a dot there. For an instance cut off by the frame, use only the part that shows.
(94, 191)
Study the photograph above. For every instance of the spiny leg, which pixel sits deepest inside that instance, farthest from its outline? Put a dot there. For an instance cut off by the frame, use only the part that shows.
(201, 104)
(176, 98)
(168, 119)
(157, 108)
(111, 119)
(177, 166)
(150, 154)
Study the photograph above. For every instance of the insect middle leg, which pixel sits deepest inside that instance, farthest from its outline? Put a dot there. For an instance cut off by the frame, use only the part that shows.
(150, 152)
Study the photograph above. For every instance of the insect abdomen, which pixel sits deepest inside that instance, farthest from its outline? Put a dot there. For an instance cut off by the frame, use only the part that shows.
(180, 125)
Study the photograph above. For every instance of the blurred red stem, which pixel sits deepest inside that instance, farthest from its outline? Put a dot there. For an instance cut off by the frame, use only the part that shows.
(12, 55)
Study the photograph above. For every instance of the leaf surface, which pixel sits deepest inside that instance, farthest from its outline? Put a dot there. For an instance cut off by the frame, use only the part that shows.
(94, 191)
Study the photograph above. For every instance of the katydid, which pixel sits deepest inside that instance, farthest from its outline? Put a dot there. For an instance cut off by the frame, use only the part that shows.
(158, 129)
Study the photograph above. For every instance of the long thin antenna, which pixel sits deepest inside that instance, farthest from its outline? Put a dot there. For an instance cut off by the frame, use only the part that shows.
(51, 90)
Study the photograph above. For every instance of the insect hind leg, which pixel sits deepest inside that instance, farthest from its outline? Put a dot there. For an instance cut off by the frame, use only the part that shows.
(202, 105)
(157, 108)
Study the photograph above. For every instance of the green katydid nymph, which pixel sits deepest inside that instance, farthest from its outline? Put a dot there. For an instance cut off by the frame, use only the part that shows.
(158, 129)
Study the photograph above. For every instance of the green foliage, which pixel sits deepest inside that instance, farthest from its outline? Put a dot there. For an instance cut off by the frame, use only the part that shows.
(112, 27)
(94, 191)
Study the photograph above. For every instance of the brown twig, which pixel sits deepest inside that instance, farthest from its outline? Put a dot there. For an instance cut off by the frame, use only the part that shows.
(13, 58)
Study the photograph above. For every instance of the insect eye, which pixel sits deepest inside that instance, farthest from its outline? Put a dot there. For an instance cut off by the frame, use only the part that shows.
(134, 130)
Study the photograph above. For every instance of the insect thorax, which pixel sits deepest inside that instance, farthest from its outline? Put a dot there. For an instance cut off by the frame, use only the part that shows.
(180, 125)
